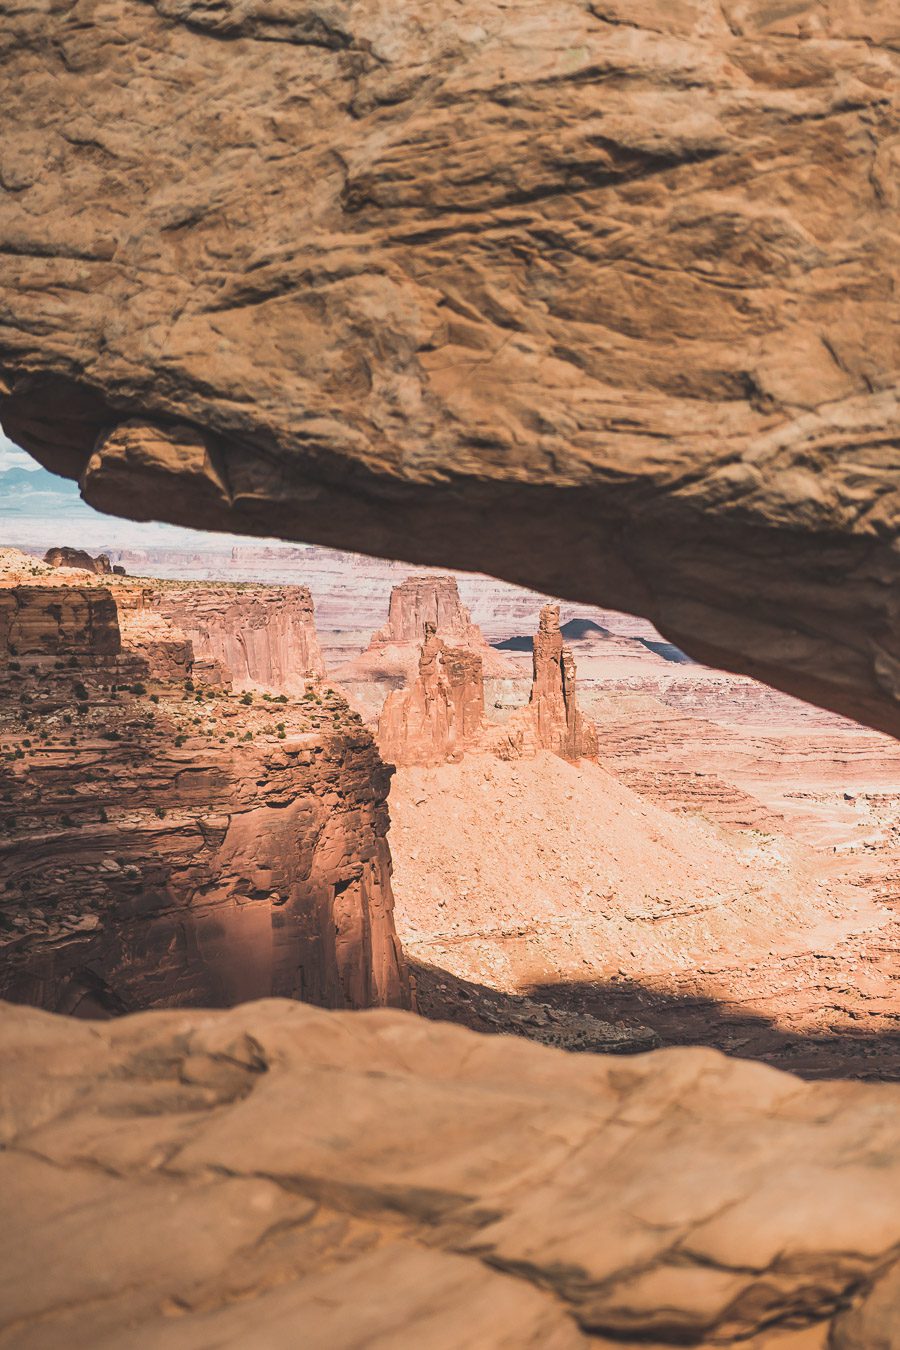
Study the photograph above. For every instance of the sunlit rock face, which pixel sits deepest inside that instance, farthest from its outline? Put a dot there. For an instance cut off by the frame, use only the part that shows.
(249, 1167)
(599, 298)
(262, 637)
(167, 841)
(552, 719)
(441, 714)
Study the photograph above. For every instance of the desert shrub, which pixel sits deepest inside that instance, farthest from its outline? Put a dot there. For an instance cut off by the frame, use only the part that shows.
(81, 692)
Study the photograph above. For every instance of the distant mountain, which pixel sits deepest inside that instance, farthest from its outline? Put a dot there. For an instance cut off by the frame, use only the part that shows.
(36, 493)
(582, 628)
(668, 651)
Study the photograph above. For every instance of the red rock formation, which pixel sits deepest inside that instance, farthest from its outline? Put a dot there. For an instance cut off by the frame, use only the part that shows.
(163, 845)
(552, 719)
(263, 636)
(441, 714)
(77, 557)
(51, 620)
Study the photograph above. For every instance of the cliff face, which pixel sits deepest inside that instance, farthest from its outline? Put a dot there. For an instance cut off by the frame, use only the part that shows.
(552, 719)
(58, 620)
(166, 843)
(441, 714)
(262, 637)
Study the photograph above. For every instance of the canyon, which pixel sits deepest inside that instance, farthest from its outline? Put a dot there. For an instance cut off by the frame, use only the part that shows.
(597, 298)
(652, 853)
(166, 840)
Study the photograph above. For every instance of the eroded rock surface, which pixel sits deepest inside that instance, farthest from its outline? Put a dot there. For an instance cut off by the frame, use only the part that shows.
(165, 841)
(600, 298)
(79, 558)
(441, 714)
(195, 1178)
(552, 719)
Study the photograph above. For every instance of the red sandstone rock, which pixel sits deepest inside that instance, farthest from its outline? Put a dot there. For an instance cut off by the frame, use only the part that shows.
(552, 720)
(163, 845)
(263, 636)
(441, 714)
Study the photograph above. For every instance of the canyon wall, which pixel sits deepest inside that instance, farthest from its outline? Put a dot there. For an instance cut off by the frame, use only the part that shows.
(263, 636)
(166, 843)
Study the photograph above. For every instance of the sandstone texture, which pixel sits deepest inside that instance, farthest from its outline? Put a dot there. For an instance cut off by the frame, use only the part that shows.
(166, 841)
(552, 719)
(597, 297)
(262, 637)
(276, 1175)
(441, 714)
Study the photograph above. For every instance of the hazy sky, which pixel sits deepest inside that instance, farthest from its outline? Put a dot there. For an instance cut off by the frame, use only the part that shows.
(11, 457)
(83, 527)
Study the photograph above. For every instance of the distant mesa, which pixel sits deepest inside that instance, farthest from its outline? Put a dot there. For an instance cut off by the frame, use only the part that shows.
(576, 629)
(82, 560)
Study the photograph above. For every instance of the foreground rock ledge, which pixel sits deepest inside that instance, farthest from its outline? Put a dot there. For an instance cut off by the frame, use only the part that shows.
(597, 296)
(276, 1175)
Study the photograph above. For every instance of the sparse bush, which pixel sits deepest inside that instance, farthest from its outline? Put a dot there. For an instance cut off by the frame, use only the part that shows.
(138, 688)
(159, 812)
(154, 698)
(67, 821)
(247, 699)
(67, 718)
(15, 665)
(81, 692)
(104, 818)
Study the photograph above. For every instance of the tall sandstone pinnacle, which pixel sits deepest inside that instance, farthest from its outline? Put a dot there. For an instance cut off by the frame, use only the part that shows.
(598, 297)
(551, 719)
(441, 714)
(419, 605)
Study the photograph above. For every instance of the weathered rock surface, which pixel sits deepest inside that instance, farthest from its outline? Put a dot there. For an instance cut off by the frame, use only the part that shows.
(169, 843)
(262, 637)
(552, 719)
(600, 298)
(276, 1175)
(441, 714)
(420, 610)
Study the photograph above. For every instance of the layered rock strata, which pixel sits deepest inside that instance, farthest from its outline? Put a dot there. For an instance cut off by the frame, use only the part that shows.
(263, 636)
(598, 297)
(441, 714)
(168, 843)
(225, 1178)
(552, 719)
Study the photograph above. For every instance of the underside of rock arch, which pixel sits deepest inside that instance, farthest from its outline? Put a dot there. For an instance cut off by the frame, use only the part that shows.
(593, 296)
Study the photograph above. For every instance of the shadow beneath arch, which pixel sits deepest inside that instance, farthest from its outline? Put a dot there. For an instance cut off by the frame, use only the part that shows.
(869, 1055)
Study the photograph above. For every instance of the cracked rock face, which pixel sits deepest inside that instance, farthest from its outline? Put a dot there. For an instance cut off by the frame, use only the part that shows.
(196, 1178)
(596, 297)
